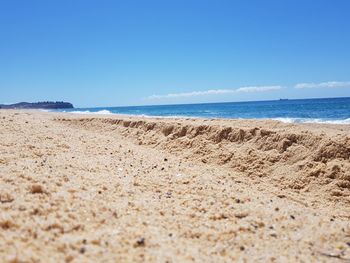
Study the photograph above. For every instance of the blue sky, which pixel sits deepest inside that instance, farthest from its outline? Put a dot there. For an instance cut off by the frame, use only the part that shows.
(111, 53)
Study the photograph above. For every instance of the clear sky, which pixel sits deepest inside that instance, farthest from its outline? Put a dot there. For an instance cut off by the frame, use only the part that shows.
(111, 53)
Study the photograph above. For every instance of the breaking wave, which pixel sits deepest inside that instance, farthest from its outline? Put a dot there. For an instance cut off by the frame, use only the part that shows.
(90, 112)
(309, 120)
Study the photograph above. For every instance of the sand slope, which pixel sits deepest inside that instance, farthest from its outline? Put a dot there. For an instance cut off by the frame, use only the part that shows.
(292, 156)
(76, 188)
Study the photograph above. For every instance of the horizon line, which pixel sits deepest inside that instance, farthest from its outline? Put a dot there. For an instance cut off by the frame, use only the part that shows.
(218, 102)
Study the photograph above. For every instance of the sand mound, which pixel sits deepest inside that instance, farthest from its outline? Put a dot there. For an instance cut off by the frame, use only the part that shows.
(291, 156)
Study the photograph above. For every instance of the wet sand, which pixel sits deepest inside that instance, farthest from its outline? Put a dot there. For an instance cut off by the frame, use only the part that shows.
(90, 188)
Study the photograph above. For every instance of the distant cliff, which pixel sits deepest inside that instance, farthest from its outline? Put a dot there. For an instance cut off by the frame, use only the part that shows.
(39, 105)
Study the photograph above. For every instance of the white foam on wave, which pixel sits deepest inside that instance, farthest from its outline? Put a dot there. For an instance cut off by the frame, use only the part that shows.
(346, 121)
(90, 112)
(131, 115)
(310, 120)
(127, 114)
(286, 120)
(167, 117)
(282, 119)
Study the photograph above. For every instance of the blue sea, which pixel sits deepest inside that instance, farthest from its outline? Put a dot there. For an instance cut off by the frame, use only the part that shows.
(330, 110)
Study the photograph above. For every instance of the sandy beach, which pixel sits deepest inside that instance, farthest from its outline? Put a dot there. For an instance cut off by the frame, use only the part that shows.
(109, 188)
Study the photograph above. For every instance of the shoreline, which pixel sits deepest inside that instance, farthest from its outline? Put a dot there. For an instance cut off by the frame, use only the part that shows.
(288, 120)
(126, 188)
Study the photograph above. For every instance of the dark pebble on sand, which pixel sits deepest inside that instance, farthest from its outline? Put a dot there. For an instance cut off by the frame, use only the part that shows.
(82, 250)
(140, 243)
(37, 189)
(292, 217)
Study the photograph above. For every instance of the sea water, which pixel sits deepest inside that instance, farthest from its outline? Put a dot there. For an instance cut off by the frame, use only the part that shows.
(329, 110)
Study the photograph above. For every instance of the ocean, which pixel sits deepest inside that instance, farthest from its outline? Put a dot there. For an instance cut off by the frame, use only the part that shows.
(329, 110)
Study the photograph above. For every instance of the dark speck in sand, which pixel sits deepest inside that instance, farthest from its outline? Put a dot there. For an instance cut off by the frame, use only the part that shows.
(140, 243)
(82, 250)
(292, 217)
(165, 159)
(37, 189)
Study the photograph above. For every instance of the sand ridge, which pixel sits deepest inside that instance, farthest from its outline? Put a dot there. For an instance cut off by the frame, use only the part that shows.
(288, 155)
(76, 188)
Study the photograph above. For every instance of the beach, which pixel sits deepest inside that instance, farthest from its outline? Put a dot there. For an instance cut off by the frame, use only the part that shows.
(113, 188)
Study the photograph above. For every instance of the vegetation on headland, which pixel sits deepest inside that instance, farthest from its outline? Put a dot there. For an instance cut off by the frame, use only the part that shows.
(39, 105)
